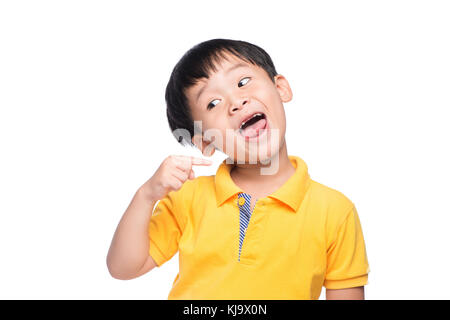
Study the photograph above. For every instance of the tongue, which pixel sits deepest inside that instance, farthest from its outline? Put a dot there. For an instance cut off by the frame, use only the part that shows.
(253, 130)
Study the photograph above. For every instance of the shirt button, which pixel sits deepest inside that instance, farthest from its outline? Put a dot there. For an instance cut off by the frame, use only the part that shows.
(241, 201)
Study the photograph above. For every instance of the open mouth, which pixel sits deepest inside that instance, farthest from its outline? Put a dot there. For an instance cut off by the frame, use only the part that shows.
(253, 126)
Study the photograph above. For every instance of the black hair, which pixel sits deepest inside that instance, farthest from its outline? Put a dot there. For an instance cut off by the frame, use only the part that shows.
(197, 63)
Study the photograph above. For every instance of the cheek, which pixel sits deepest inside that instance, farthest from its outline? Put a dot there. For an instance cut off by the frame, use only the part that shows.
(268, 95)
(215, 122)
(214, 129)
(271, 98)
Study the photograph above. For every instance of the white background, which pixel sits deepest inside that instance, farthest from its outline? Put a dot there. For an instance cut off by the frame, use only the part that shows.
(83, 125)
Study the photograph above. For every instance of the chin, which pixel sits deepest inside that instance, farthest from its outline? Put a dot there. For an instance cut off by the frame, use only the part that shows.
(260, 153)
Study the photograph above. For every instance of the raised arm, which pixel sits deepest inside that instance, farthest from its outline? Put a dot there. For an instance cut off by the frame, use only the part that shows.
(128, 256)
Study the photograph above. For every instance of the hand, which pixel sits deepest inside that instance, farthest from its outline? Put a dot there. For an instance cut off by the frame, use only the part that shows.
(171, 175)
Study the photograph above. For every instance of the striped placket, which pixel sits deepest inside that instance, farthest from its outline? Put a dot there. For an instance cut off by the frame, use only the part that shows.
(245, 213)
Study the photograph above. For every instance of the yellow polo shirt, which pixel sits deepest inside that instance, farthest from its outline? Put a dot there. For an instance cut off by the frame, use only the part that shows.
(302, 237)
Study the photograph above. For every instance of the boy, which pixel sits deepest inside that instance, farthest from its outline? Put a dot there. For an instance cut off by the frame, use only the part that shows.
(258, 229)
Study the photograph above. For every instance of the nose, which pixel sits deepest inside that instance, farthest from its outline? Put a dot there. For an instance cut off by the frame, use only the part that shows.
(238, 105)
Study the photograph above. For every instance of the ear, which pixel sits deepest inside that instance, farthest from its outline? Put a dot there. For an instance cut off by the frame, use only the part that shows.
(283, 88)
(206, 147)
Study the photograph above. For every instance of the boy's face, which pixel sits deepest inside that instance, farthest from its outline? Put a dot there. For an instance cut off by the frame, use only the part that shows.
(240, 111)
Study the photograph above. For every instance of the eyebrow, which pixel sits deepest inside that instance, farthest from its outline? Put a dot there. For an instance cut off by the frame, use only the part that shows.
(238, 65)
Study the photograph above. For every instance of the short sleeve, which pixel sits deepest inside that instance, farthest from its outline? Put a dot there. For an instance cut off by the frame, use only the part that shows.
(347, 264)
(166, 227)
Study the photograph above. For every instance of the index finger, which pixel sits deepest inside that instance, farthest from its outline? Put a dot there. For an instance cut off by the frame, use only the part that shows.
(200, 162)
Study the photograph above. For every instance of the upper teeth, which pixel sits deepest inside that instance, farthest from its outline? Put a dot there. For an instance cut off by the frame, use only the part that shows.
(256, 114)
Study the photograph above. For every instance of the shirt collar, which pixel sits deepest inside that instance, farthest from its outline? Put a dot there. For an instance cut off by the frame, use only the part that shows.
(290, 193)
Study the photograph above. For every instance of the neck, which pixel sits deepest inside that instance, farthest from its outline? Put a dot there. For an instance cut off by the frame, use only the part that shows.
(252, 172)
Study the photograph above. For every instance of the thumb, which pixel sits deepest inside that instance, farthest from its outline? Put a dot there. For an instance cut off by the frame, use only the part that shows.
(191, 175)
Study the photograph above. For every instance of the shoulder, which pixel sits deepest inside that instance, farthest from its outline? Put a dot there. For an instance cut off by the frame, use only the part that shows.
(200, 184)
(192, 188)
(180, 202)
(335, 204)
(330, 195)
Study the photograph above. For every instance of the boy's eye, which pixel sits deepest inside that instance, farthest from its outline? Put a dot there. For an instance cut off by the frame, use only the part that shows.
(212, 104)
(241, 83)
(244, 81)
